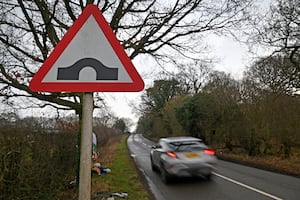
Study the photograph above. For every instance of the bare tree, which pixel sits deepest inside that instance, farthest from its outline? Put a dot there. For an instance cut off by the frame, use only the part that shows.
(156, 97)
(193, 77)
(276, 74)
(168, 31)
(279, 29)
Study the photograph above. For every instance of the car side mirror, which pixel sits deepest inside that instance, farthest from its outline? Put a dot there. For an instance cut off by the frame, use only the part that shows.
(156, 146)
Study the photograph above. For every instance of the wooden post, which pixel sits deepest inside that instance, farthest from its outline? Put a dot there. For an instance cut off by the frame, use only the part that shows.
(86, 147)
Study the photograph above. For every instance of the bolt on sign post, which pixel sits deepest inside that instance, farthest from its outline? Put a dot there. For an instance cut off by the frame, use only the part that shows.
(89, 58)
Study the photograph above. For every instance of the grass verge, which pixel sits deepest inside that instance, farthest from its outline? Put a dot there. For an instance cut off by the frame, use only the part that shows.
(123, 176)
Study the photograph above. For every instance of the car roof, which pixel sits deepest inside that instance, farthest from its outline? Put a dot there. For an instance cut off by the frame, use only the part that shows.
(180, 139)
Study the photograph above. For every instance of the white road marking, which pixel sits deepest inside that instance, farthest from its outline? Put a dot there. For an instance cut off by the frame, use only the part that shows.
(143, 143)
(248, 187)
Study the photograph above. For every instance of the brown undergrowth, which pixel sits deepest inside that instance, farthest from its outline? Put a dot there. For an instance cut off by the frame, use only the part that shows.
(271, 163)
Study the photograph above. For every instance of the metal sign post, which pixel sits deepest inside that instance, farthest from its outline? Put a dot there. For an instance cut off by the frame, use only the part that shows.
(86, 147)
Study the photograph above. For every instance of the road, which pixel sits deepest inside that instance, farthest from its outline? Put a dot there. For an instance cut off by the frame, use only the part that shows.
(230, 181)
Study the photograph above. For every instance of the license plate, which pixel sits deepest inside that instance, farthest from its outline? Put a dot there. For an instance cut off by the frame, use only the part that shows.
(192, 155)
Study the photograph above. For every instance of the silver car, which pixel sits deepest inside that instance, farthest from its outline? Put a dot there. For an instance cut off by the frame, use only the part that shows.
(182, 157)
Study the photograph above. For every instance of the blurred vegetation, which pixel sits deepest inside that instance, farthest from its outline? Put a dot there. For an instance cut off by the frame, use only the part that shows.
(258, 115)
(39, 156)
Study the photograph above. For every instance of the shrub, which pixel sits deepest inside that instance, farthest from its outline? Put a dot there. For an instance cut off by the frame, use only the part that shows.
(34, 165)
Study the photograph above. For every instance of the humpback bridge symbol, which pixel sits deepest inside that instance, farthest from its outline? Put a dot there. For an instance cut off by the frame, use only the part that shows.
(72, 72)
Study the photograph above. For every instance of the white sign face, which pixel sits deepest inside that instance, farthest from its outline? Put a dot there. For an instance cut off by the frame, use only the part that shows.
(89, 42)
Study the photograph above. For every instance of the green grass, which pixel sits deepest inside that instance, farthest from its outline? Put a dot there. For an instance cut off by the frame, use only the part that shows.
(124, 176)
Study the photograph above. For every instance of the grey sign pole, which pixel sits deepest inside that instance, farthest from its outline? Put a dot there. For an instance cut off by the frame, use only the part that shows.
(86, 147)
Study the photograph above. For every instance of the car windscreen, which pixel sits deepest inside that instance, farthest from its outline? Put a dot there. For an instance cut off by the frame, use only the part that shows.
(186, 146)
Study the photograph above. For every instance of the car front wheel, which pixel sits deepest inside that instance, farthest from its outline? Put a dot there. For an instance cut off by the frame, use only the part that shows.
(208, 176)
(164, 175)
(153, 167)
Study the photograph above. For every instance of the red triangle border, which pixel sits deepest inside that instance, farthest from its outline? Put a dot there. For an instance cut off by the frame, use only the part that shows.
(137, 85)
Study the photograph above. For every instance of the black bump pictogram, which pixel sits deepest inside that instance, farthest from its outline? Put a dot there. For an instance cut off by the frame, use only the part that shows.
(72, 72)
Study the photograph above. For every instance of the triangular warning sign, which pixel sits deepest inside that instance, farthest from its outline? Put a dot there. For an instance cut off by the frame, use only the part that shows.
(89, 58)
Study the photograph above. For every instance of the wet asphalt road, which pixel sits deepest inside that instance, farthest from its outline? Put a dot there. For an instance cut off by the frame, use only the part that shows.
(230, 181)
